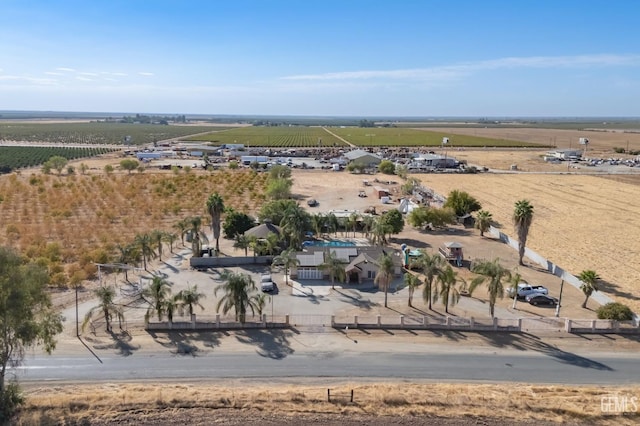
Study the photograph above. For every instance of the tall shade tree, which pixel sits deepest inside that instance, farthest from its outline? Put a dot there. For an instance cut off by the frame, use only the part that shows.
(448, 291)
(189, 298)
(589, 284)
(412, 282)
(215, 208)
(334, 266)
(384, 276)
(145, 245)
(237, 295)
(522, 218)
(461, 202)
(432, 265)
(494, 274)
(26, 315)
(483, 221)
(287, 259)
(156, 295)
(106, 306)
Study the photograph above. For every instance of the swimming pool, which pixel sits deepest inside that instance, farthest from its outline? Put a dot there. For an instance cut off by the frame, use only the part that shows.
(332, 243)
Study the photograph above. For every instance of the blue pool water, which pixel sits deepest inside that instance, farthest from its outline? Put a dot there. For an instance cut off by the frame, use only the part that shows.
(332, 243)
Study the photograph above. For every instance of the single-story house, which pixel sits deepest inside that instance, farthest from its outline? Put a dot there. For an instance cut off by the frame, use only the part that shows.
(360, 263)
(263, 230)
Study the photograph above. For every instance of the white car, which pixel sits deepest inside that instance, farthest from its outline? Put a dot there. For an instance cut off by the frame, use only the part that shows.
(266, 283)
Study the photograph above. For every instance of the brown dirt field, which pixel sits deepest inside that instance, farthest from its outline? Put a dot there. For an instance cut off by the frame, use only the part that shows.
(242, 403)
(605, 140)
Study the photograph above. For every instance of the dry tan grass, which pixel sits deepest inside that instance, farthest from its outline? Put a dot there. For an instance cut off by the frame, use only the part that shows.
(514, 402)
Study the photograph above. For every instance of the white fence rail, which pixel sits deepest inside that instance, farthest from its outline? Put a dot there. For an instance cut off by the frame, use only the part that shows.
(409, 322)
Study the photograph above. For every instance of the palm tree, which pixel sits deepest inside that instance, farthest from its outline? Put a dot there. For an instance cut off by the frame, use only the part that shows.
(483, 221)
(190, 297)
(589, 284)
(156, 296)
(448, 291)
(236, 289)
(107, 306)
(183, 227)
(318, 222)
(353, 222)
(157, 237)
(171, 305)
(144, 243)
(515, 279)
(333, 223)
(493, 273)
(294, 223)
(412, 281)
(367, 225)
(379, 232)
(522, 218)
(432, 266)
(197, 235)
(384, 276)
(260, 301)
(215, 207)
(127, 254)
(242, 242)
(334, 265)
(287, 259)
(271, 243)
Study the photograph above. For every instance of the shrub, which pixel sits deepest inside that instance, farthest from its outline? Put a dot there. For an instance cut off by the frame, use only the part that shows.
(615, 311)
(387, 167)
(619, 150)
(10, 400)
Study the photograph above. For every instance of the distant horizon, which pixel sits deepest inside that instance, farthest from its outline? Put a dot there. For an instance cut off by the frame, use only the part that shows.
(330, 58)
(35, 114)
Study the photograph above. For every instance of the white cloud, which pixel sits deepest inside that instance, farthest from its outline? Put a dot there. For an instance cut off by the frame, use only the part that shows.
(119, 74)
(83, 78)
(146, 74)
(89, 74)
(65, 69)
(52, 73)
(448, 72)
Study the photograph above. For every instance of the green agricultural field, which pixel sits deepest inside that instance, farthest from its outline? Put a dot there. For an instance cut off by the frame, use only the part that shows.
(277, 137)
(15, 157)
(392, 136)
(94, 132)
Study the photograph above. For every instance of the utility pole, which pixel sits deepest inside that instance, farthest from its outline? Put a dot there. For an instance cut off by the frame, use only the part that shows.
(77, 326)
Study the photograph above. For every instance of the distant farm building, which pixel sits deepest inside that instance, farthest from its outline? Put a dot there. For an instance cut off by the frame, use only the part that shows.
(566, 154)
(433, 161)
(363, 158)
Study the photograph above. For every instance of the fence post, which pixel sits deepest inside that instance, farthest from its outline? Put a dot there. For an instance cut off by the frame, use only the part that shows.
(193, 321)
(519, 324)
(328, 395)
(448, 322)
(351, 395)
(593, 326)
(616, 326)
(379, 321)
(495, 323)
(567, 325)
(264, 320)
(355, 321)
(472, 323)
(286, 319)
(217, 320)
(333, 320)
(170, 323)
(402, 321)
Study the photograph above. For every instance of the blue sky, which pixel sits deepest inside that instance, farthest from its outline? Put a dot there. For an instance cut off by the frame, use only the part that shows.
(330, 57)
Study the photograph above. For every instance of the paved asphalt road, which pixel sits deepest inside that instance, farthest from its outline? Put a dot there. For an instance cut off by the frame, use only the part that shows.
(504, 366)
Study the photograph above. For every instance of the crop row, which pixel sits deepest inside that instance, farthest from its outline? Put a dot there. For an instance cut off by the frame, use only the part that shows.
(15, 157)
(94, 132)
(392, 136)
(279, 136)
